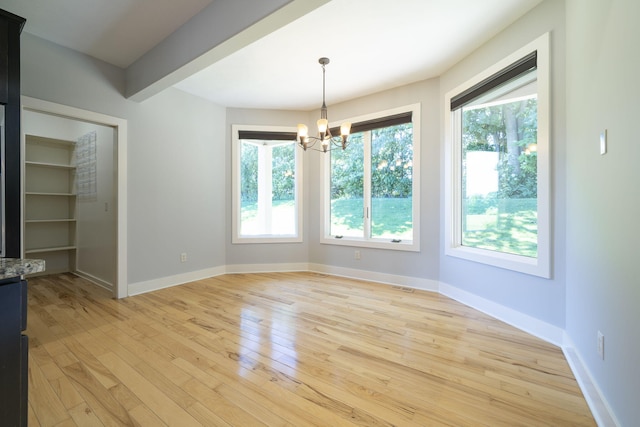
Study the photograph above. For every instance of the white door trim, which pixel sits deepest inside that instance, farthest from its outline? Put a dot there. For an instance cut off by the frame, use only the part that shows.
(120, 127)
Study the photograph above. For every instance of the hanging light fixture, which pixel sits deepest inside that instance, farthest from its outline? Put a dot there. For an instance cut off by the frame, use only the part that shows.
(326, 140)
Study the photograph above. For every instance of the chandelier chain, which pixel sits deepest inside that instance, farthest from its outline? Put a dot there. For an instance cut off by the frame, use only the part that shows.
(326, 140)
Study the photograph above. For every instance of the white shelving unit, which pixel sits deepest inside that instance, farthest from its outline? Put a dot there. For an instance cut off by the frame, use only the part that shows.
(50, 202)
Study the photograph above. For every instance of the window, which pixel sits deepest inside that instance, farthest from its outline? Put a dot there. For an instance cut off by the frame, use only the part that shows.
(497, 173)
(371, 188)
(266, 186)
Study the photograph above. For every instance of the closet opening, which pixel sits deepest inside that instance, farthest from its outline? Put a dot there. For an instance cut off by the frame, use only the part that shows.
(74, 197)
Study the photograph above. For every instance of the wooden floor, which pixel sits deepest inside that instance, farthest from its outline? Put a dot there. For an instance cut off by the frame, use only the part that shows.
(285, 349)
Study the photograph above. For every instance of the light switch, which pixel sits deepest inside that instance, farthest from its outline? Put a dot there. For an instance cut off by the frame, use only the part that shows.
(603, 142)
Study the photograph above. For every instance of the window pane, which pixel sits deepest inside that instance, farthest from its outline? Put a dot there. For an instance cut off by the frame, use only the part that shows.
(391, 182)
(249, 224)
(347, 191)
(499, 169)
(267, 181)
(283, 218)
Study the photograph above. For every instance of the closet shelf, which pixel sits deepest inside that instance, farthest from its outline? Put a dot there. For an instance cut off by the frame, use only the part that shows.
(49, 165)
(35, 221)
(51, 249)
(44, 193)
(50, 202)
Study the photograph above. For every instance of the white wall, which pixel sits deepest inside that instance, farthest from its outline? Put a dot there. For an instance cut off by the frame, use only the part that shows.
(539, 298)
(603, 200)
(175, 201)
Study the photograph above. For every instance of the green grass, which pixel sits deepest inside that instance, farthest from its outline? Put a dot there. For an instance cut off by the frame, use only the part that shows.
(346, 217)
(511, 227)
(391, 218)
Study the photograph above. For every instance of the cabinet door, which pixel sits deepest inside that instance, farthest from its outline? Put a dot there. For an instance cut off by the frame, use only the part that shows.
(24, 380)
(10, 353)
(4, 65)
(23, 303)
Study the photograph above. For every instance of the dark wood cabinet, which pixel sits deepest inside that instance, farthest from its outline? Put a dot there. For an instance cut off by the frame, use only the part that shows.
(13, 291)
(10, 28)
(14, 352)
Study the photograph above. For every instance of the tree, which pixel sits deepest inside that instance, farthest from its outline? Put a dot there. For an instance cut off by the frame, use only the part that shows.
(347, 170)
(506, 128)
(283, 172)
(249, 173)
(391, 162)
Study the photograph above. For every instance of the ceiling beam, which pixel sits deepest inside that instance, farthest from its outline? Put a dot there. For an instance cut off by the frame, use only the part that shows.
(222, 28)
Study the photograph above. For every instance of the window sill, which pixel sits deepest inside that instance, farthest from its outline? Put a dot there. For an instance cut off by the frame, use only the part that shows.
(533, 266)
(265, 239)
(408, 245)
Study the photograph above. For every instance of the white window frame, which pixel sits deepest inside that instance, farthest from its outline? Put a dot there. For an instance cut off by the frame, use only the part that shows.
(236, 237)
(380, 243)
(541, 265)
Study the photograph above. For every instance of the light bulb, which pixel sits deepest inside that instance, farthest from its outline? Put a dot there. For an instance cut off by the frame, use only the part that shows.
(345, 128)
(322, 125)
(303, 131)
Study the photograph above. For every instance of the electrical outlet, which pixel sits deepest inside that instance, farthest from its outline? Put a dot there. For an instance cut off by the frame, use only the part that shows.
(183, 257)
(356, 255)
(601, 345)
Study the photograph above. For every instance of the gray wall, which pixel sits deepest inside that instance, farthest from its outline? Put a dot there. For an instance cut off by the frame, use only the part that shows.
(542, 299)
(175, 166)
(603, 200)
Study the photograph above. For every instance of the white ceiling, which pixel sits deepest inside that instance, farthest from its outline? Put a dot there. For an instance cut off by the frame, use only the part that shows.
(373, 44)
(115, 31)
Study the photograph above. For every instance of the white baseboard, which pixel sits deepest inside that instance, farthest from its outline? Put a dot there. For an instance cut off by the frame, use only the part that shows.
(166, 282)
(372, 276)
(266, 268)
(531, 325)
(599, 406)
(178, 279)
(95, 280)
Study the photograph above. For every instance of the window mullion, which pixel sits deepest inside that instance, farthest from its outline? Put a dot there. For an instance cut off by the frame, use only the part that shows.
(456, 178)
(366, 182)
(265, 187)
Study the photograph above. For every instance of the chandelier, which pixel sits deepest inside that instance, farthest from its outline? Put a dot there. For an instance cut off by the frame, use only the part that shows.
(326, 141)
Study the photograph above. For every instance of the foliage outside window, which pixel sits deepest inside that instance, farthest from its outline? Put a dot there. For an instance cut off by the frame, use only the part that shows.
(372, 185)
(499, 170)
(497, 196)
(266, 185)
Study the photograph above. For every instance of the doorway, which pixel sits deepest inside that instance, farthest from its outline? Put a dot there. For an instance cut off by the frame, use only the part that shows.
(79, 225)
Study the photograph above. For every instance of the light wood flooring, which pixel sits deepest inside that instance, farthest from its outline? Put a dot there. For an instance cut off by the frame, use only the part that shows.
(285, 349)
